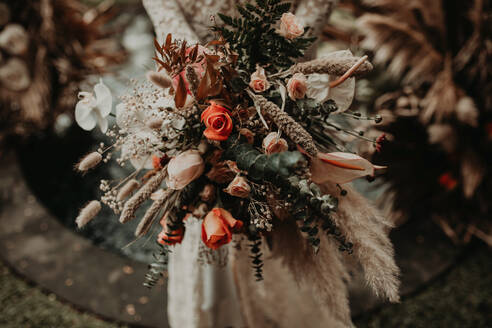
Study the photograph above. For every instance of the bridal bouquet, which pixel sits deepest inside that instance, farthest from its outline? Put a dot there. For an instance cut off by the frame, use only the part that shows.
(238, 133)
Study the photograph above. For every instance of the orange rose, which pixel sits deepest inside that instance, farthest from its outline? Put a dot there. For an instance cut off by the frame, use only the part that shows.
(217, 226)
(168, 237)
(218, 121)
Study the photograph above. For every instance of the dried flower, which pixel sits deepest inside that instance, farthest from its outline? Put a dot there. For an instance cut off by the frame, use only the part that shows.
(168, 236)
(160, 79)
(238, 187)
(248, 134)
(258, 81)
(184, 168)
(274, 144)
(218, 122)
(297, 86)
(89, 161)
(290, 26)
(88, 213)
(221, 173)
(127, 189)
(339, 167)
(91, 110)
(208, 193)
(14, 39)
(448, 181)
(217, 226)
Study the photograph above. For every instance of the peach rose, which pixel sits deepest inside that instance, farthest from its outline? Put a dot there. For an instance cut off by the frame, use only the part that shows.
(218, 121)
(238, 187)
(258, 81)
(167, 236)
(184, 168)
(290, 26)
(297, 86)
(273, 144)
(217, 226)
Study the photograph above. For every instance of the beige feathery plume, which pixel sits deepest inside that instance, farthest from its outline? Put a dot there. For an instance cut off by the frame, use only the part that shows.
(150, 215)
(287, 124)
(141, 196)
(88, 213)
(127, 189)
(335, 63)
(472, 172)
(89, 161)
(363, 226)
(320, 294)
(160, 79)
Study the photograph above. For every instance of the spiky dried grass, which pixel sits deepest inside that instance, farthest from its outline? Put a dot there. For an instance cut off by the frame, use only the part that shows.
(87, 213)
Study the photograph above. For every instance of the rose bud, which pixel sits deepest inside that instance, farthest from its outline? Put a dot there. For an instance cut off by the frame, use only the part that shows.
(217, 226)
(297, 86)
(183, 169)
(258, 81)
(290, 26)
(208, 193)
(168, 236)
(218, 121)
(273, 144)
(238, 187)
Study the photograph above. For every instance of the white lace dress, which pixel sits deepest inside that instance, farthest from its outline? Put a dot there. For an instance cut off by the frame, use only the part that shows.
(205, 295)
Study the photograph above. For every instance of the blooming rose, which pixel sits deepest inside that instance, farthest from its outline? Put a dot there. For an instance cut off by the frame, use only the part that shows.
(217, 226)
(297, 86)
(238, 187)
(184, 168)
(218, 121)
(273, 144)
(290, 26)
(168, 236)
(259, 82)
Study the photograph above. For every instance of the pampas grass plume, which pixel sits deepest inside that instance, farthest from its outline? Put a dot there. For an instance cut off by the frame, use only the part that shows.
(127, 189)
(89, 161)
(160, 79)
(88, 213)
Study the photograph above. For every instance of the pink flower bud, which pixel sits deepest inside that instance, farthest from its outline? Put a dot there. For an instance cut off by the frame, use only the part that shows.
(238, 187)
(273, 144)
(259, 82)
(290, 26)
(184, 168)
(297, 86)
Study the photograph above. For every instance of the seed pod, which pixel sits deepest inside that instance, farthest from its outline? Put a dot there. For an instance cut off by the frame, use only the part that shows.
(89, 161)
(127, 190)
(160, 79)
(88, 213)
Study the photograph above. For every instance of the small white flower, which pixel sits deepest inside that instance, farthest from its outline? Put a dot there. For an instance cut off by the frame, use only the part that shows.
(94, 109)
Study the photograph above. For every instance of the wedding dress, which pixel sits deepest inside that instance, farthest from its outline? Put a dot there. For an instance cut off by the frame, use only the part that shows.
(222, 293)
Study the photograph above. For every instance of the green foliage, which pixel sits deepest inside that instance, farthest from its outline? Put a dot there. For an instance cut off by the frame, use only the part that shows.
(256, 254)
(157, 267)
(254, 38)
(261, 167)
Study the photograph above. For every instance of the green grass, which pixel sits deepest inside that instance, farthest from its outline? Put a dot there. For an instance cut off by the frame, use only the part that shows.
(460, 299)
(25, 306)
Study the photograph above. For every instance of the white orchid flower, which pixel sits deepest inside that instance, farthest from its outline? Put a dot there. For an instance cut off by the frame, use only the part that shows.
(94, 109)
